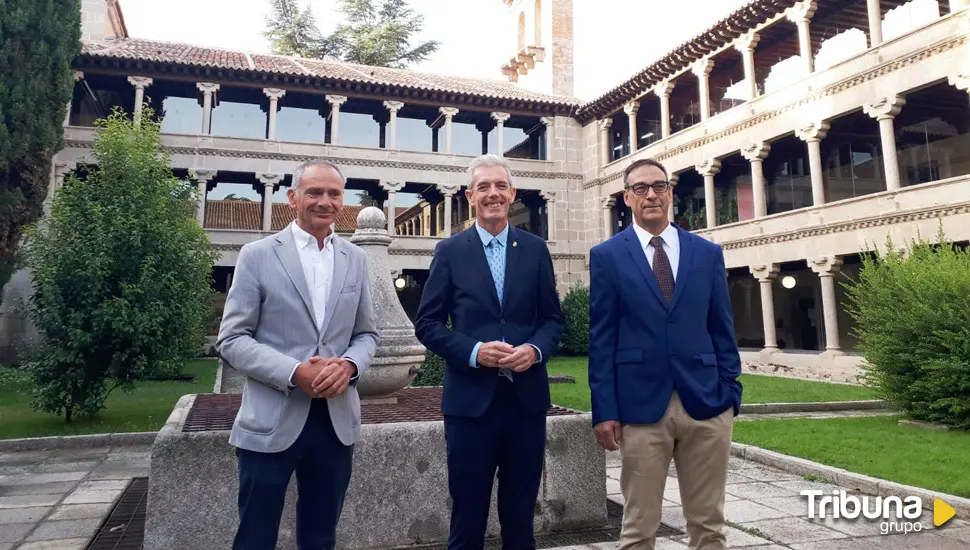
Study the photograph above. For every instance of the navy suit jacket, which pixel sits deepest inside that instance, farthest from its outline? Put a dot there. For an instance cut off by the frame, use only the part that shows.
(641, 348)
(460, 286)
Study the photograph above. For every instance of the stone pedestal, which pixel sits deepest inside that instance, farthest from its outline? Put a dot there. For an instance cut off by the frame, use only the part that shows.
(398, 494)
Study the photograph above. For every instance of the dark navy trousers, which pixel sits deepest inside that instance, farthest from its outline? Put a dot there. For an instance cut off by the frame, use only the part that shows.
(322, 465)
(507, 439)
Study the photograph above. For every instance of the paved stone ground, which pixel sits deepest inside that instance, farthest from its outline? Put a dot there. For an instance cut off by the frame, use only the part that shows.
(56, 500)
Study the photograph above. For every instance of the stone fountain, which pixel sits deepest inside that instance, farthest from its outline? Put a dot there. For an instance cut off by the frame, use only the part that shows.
(399, 353)
(398, 493)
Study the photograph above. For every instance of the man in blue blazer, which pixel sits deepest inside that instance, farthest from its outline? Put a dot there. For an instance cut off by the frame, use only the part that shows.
(497, 286)
(663, 363)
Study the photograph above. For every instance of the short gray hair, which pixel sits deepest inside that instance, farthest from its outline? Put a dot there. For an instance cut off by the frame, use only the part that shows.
(488, 160)
(298, 173)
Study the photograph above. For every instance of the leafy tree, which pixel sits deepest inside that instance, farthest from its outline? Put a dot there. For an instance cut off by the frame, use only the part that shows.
(366, 199)
(913, 322)
(38, 40)
(376, 35)
(122, 273)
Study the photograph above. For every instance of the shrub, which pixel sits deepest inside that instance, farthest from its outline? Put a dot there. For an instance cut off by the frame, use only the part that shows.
(575, 310)
(432, 369)
(913, 315)
(122, 274)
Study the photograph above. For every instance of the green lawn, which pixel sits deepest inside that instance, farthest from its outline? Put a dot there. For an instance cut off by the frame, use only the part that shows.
(876, 446)
(144, 410)
(757, 388)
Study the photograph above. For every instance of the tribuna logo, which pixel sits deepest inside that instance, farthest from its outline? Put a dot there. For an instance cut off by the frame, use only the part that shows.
(898, 515)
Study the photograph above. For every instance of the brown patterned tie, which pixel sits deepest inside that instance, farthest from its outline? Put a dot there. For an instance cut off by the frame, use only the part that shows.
(661, 268)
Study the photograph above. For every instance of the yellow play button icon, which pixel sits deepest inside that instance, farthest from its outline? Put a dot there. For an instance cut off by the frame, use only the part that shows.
(942, 512)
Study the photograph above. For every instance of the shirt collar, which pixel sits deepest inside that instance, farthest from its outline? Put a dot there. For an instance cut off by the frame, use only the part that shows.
(486, 237)
(669, 235)
(304, 239)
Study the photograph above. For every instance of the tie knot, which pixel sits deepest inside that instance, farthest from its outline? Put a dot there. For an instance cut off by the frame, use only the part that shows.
(657, 242)
(494, 243)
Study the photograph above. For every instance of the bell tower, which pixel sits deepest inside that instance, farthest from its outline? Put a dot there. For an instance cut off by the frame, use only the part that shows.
(540, 37)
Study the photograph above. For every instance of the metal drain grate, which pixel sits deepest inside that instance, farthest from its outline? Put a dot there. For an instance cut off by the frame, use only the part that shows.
(125, 527)
(215, 412)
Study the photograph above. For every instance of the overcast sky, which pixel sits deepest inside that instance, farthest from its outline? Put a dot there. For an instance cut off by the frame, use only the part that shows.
(609, 45)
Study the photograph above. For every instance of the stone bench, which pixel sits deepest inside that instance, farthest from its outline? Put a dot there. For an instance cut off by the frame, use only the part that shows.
(398, 494)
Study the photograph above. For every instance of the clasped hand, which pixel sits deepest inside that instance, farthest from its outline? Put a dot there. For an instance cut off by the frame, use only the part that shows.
(501, 355)
(324, 377)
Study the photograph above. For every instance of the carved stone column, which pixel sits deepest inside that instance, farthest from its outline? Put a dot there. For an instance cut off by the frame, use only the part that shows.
(756, 153)
(208, 90)
(801, 15)
(885, 110)
(448, 192)
(674, 179)
(140, 83)
(274, 95)
(391, 187)
(746, 44)
(631, 109)
(549, 124)
(663, 91)
(766, 274)
(605, 141)
(335, 102)
(269, 181)
(449, 113)
(500, 119)
(550, 198)
(202, 178)
(709, 169)
(702, 70)
(392, 108)
(607, 204)
(827, 268)
(812, 135)
(875, 22)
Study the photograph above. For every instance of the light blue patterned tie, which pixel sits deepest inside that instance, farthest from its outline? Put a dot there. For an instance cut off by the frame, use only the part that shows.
(496, 263)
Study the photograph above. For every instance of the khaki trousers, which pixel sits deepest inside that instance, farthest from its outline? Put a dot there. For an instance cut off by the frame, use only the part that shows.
(700, 450)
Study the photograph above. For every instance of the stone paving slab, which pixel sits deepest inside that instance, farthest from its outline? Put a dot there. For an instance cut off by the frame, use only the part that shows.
(56, 499)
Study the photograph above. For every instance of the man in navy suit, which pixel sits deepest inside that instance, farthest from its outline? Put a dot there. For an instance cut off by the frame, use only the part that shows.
(663, 363)
(496, 284)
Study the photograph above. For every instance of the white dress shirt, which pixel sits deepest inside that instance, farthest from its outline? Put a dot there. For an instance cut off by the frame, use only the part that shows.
(317, 271)
(671, 244)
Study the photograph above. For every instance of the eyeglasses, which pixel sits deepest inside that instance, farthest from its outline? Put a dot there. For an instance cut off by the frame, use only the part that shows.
(643, 188)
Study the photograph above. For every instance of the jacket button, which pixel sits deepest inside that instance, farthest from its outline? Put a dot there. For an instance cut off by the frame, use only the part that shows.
(502, 321)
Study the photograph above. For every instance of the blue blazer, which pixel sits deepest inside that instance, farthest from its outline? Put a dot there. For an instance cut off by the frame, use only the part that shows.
(460, 286)
(641, 348)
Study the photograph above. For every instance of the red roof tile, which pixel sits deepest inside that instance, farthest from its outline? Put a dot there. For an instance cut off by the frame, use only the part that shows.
(134, 49)
(248, 215)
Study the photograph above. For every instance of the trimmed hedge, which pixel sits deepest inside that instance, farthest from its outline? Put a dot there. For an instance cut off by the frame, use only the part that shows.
(913, 314)
(575, 310)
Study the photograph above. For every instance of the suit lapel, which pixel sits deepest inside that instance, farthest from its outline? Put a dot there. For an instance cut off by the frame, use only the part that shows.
(684, 267)
(476, 255)
(511, 261)
(290, 258)
(639, 256)
(340, 267)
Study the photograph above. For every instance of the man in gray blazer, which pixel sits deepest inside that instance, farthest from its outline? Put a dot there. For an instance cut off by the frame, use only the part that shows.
(299, 323)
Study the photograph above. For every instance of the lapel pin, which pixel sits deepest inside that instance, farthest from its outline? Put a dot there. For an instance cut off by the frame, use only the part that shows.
(515, 244)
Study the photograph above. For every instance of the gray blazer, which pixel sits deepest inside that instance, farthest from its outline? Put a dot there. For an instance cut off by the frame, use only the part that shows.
(268, 327)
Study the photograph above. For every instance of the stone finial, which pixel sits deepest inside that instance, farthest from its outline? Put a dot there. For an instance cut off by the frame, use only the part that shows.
(814, 131)
(399, 353)
(885, 107)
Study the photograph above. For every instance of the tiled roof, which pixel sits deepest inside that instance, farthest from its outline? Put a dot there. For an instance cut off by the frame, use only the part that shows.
(331, 76)
(248, 215)
(717, 35)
